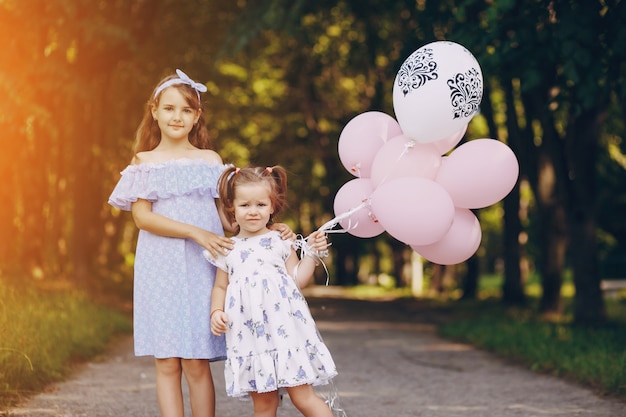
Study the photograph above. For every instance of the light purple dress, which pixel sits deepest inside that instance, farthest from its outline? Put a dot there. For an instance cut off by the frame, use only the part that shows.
(173, 281)
(272, 340)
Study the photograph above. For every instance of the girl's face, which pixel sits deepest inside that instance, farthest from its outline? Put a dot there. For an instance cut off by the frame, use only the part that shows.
(174, 115)
(253, 208)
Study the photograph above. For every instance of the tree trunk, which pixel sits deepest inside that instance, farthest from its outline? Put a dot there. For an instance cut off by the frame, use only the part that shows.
(8, 231)
(86, 193)
(553, 243)
(33, 186)
(346, 260)
(512, 288)
(582, 151)
(588, 303)
(545, 175)
(400, 261)
(470, 279)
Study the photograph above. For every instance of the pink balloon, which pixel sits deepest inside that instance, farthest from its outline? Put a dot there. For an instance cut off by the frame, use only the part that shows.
(403, 157)
(449, 142)
(361, 223)
(413, 210)
(479, 173)
(458, 245)
(362, 137)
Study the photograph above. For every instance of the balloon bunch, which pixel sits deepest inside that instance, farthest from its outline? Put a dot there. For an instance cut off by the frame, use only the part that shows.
(405, 185)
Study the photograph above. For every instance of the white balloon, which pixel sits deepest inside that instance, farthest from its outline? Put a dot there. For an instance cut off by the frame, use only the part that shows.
(437, 91)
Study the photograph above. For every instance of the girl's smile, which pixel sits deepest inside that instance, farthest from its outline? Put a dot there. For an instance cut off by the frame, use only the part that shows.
(174, 115)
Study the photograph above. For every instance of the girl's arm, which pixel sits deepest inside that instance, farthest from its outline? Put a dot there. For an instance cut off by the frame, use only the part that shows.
(302, 270)
(146, 219)
(218, 297)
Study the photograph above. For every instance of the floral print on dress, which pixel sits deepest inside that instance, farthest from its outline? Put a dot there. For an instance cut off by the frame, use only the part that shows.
(271, 339)
(244, 256)
(266, 243)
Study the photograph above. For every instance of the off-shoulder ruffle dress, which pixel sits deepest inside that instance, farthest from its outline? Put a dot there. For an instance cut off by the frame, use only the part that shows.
(272, 340)
(172, 280)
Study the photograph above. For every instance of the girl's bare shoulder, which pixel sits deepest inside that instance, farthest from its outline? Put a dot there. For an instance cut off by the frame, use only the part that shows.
(145, 157)
(209, 155)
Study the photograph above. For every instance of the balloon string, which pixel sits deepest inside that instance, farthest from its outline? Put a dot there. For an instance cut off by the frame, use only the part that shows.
(332, 400)
(326, 227)
(407, 146)
(301, 242)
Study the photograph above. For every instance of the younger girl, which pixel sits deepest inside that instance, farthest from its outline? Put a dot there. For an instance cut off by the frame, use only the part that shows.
(271, 339)
(170, 187)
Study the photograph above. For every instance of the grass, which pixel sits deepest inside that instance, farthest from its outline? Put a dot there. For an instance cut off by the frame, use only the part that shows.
(592, 356)
(491, 286)
(43, 333)
(368, 292)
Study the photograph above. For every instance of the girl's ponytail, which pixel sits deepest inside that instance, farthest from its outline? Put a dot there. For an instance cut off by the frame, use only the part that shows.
(279, 197)
(226, 191)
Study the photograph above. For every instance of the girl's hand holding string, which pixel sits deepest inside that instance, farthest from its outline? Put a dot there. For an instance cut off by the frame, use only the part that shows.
(313, 248)
(218, 322)
(317, 244)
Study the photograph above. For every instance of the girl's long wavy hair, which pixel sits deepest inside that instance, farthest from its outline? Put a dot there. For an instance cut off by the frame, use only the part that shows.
(274, 177)
(148, 134)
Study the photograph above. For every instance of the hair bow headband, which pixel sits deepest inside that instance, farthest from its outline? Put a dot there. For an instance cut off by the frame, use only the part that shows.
(182, 79)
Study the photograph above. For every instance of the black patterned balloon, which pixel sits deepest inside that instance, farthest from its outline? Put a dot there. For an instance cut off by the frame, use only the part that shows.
(437, 91)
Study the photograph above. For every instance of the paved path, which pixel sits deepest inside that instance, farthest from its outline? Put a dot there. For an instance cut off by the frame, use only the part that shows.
(390, 361)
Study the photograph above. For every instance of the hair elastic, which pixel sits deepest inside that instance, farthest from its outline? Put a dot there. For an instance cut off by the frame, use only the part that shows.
(182, 79)
(269, 170)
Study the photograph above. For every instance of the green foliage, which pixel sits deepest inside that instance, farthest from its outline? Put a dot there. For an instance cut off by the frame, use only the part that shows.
(43, 332)
(594, 356)
(369, 292)
(284, 78)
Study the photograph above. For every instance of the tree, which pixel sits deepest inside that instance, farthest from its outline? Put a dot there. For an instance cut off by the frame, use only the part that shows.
(566, 58)
(53, 73)
(281, 89)
(76, 82)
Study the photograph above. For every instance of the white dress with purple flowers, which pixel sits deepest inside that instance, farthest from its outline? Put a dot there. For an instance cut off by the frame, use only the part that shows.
(173, 281)
(271, 338)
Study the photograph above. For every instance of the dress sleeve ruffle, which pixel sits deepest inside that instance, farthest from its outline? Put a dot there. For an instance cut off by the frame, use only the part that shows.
(219, 262)
(153, 181)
